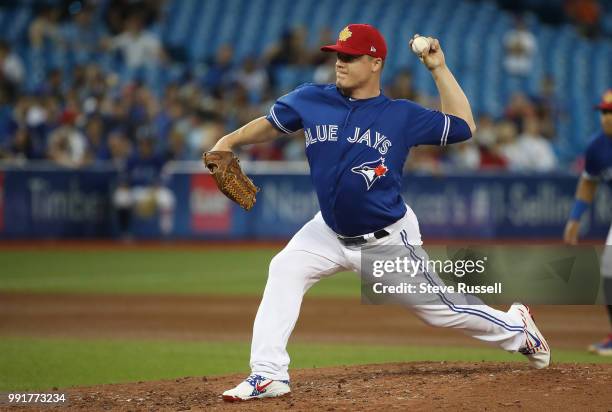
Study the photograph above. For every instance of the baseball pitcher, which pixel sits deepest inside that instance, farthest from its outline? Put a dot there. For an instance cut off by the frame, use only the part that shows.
(356, 142)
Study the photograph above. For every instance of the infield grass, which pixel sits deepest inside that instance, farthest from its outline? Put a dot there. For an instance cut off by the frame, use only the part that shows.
(235, 271)
(222, 272)
(38, 364)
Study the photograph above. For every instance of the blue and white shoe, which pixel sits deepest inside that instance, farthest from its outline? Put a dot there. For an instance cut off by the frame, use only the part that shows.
(603, 348)
(256, 387)
(535, 346)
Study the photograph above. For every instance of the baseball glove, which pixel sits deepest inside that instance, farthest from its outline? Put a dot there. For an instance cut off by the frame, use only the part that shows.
(231, 180)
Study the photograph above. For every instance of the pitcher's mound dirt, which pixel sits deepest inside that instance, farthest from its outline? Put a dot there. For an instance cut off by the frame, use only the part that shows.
(398, 386)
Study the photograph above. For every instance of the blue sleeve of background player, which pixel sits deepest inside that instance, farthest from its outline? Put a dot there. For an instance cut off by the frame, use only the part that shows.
(592, 164)
(283, 114)
(431, 127)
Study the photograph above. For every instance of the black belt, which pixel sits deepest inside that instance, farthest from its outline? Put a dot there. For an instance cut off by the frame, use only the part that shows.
(360, 240)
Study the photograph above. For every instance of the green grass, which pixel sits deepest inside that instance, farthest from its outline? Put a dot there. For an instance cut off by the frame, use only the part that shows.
(38, 364)
(29, 363)
(244, 272)
(151, 272)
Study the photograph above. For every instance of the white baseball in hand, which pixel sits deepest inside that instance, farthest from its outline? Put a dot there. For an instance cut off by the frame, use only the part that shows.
(420, 45)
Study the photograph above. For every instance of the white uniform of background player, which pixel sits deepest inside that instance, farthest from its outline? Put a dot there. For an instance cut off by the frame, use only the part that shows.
(597, 168)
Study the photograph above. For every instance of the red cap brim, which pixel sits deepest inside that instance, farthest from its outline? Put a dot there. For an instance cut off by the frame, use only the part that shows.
(342, 49)
(604, 106)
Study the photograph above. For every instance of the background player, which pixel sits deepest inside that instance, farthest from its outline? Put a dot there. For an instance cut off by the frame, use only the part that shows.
(598, 167)
(142, 188)
(357, 141)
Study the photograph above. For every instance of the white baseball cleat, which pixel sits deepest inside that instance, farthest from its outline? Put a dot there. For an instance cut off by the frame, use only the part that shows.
(535, 347)
(255, 387)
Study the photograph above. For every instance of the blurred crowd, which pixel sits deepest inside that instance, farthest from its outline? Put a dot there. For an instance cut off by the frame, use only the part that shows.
(519, 141)
(588, 16)
(89, 116)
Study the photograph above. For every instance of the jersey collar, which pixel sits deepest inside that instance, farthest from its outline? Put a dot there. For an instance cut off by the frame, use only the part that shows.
(359, 102)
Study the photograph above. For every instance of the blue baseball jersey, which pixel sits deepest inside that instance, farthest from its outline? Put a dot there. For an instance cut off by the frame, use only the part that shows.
(356, 149)
(598, 159)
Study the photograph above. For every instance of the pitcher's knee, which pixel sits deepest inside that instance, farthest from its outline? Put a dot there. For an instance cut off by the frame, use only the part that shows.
(433, 321)
(437, 316)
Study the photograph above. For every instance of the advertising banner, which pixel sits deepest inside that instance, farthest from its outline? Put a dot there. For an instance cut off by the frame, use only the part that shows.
(210, 210)
(57, 203)
(67, 203)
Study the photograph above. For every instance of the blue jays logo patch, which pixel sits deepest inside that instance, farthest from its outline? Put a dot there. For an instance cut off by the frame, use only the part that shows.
(371, 171)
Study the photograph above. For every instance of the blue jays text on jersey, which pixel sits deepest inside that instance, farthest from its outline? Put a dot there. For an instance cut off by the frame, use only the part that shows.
(598, 158)
(356, 149)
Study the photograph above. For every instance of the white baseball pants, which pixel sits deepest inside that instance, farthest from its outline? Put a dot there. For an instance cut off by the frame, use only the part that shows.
(315, 253)
(606, 273)
(164, 199)
(606, 259)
